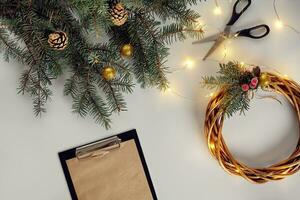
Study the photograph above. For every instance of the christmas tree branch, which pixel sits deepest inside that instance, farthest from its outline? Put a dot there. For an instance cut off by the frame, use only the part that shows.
(151, 33)
(174, 32)
(51, 35)
(99, 111)
(174, 10)
(87, 101)
(115, 98)
(237, 83)
(11, 47)
(71, 86)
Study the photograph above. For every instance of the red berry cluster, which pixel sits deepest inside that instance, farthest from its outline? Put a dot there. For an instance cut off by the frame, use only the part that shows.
(250, 79)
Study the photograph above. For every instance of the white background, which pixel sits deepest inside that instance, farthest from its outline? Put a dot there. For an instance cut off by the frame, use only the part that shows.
(170, 128)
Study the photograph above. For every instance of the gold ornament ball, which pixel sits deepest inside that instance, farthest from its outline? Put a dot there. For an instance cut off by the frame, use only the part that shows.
(109, 73)
(127, 50)
(264, 80)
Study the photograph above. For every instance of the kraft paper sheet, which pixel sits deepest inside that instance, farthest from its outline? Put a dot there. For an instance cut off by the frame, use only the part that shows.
(118, 175)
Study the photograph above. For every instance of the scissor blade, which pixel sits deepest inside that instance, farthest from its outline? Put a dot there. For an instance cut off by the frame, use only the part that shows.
(218, 42)
(208, 39)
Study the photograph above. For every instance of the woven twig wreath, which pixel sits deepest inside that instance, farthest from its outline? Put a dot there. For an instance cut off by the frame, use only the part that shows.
(214, 120)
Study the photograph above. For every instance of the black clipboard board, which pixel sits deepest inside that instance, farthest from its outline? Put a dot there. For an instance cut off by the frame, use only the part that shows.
(124, 137)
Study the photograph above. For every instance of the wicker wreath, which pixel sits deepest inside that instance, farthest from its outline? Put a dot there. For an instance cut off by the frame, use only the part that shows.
(214, 120)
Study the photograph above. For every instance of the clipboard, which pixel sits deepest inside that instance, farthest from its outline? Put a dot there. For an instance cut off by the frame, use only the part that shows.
(110, 169)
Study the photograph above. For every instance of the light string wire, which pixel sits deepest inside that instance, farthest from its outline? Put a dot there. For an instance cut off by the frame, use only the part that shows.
(218, 11)
(189, 63)
(214, 120)
(280, 22)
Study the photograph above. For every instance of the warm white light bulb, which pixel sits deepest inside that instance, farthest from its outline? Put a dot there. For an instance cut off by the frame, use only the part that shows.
(210, 95)
(279, 24)
(168, 90)
(217, 10)
(225, 52)
(189, 63)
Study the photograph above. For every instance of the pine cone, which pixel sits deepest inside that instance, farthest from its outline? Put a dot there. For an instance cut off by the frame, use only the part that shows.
(58, 40)
(118, 13)
(256, 71)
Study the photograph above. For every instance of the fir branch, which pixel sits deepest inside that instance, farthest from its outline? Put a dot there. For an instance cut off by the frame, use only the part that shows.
(31, 21)
(149, 58)
(217, 82)
(175, 31)
(174, 10)
(24, 81)
(114, 98)
(99, 111)
(235, 98)
(235, 101)
(123, 84)
(81, 101)
(12, 48)
(71, 86)
(87, 101)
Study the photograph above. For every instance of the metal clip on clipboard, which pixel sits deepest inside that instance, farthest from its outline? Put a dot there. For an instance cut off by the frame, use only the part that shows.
(98, 149)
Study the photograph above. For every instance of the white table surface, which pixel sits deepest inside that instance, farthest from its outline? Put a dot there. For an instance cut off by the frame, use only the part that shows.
(170, 128)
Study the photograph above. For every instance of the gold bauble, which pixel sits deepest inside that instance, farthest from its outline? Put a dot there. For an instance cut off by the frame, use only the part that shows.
(109, 73)
(127, 50)
(264, 80)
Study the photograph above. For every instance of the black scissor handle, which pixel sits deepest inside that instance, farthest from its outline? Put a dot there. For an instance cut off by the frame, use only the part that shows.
(236, 15)
(263, 28)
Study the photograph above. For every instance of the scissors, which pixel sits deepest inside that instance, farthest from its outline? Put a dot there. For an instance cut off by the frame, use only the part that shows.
(228, 34)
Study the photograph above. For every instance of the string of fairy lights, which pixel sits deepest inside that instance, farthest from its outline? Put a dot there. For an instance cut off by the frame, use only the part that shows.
(280, 23)
(189, 62)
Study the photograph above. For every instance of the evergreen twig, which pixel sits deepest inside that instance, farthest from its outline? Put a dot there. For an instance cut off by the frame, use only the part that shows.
(229, 80)
(30, 22)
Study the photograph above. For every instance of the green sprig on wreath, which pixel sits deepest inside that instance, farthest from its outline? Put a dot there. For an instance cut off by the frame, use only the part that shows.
(239, 83)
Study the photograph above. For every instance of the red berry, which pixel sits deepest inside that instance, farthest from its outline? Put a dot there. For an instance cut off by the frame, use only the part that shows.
(254, 82)
(245, 87)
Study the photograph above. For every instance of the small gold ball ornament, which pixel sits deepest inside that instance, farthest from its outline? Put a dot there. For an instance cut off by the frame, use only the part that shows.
(109, 73)
(264, 80)
(127, 50)
(58, 40)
